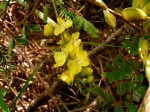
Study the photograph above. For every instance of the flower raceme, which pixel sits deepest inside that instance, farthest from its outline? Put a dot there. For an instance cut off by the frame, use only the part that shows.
(70, 48)
(73, 51)
(75, 56)
(70, 52)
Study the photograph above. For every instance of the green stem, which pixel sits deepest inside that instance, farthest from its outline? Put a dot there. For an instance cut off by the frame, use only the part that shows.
(55, 9)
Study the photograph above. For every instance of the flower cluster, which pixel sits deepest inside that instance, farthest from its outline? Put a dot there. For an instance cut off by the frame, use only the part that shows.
(71, 51)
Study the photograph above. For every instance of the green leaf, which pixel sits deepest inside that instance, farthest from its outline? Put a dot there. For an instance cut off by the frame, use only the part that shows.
(80, 23)
(104, 111)
(119, 57)
(11, 45)
(106, 96)
(45, 12)
(3, 5)
(127, 70)
(118, 108)
(21, 40)
(117, 62)
(131, 107)
(35, 28)
(120, 70)
(11, 67)
(116, 75)
(120, 89)
(3, 92)
(37, 12)
(85, 26)
(128, 86)
(3, 105)
(110, 66)
(24, 32)
(124, 87)
(24, 4)
(59, 2)
(104, 74)
(140, 89)
(132, 46)
(40, 15)
(140, 77)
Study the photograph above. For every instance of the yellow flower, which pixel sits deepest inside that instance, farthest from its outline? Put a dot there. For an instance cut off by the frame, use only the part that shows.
(60, 59)
(59, 29)
(75, 36)
(87, 71)
(67, 24)
(81, 60)
(90, 79)
(67, 77)
(76, 47)
(68, 48)
(75, 42)
(61, 26)
(74, 67)
(66, 36)
(59, 20)
(48, 30)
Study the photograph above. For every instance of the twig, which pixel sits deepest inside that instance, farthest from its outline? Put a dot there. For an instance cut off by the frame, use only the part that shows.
(14, 94)
(92, 104)
(81, 109)
(108, 40)
(119, 16)
(145, 105)
(56, 86)
(48, 89)
(4, 14)
(32, 11)
(131, 24)
(64, 105)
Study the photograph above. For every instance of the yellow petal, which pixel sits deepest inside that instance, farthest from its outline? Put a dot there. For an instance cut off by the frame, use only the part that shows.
(90, 79)
(75, 36)
(66, 77)
(48, 30)
(74, 68)
(85, 62)
(59, 20)
(76, 47)
(87, 71)
(58, 30)
(68, 24)
(69, 47)
(78, 68)
(66, 36)
(82, 58)
(60, 59)
(60, 42)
